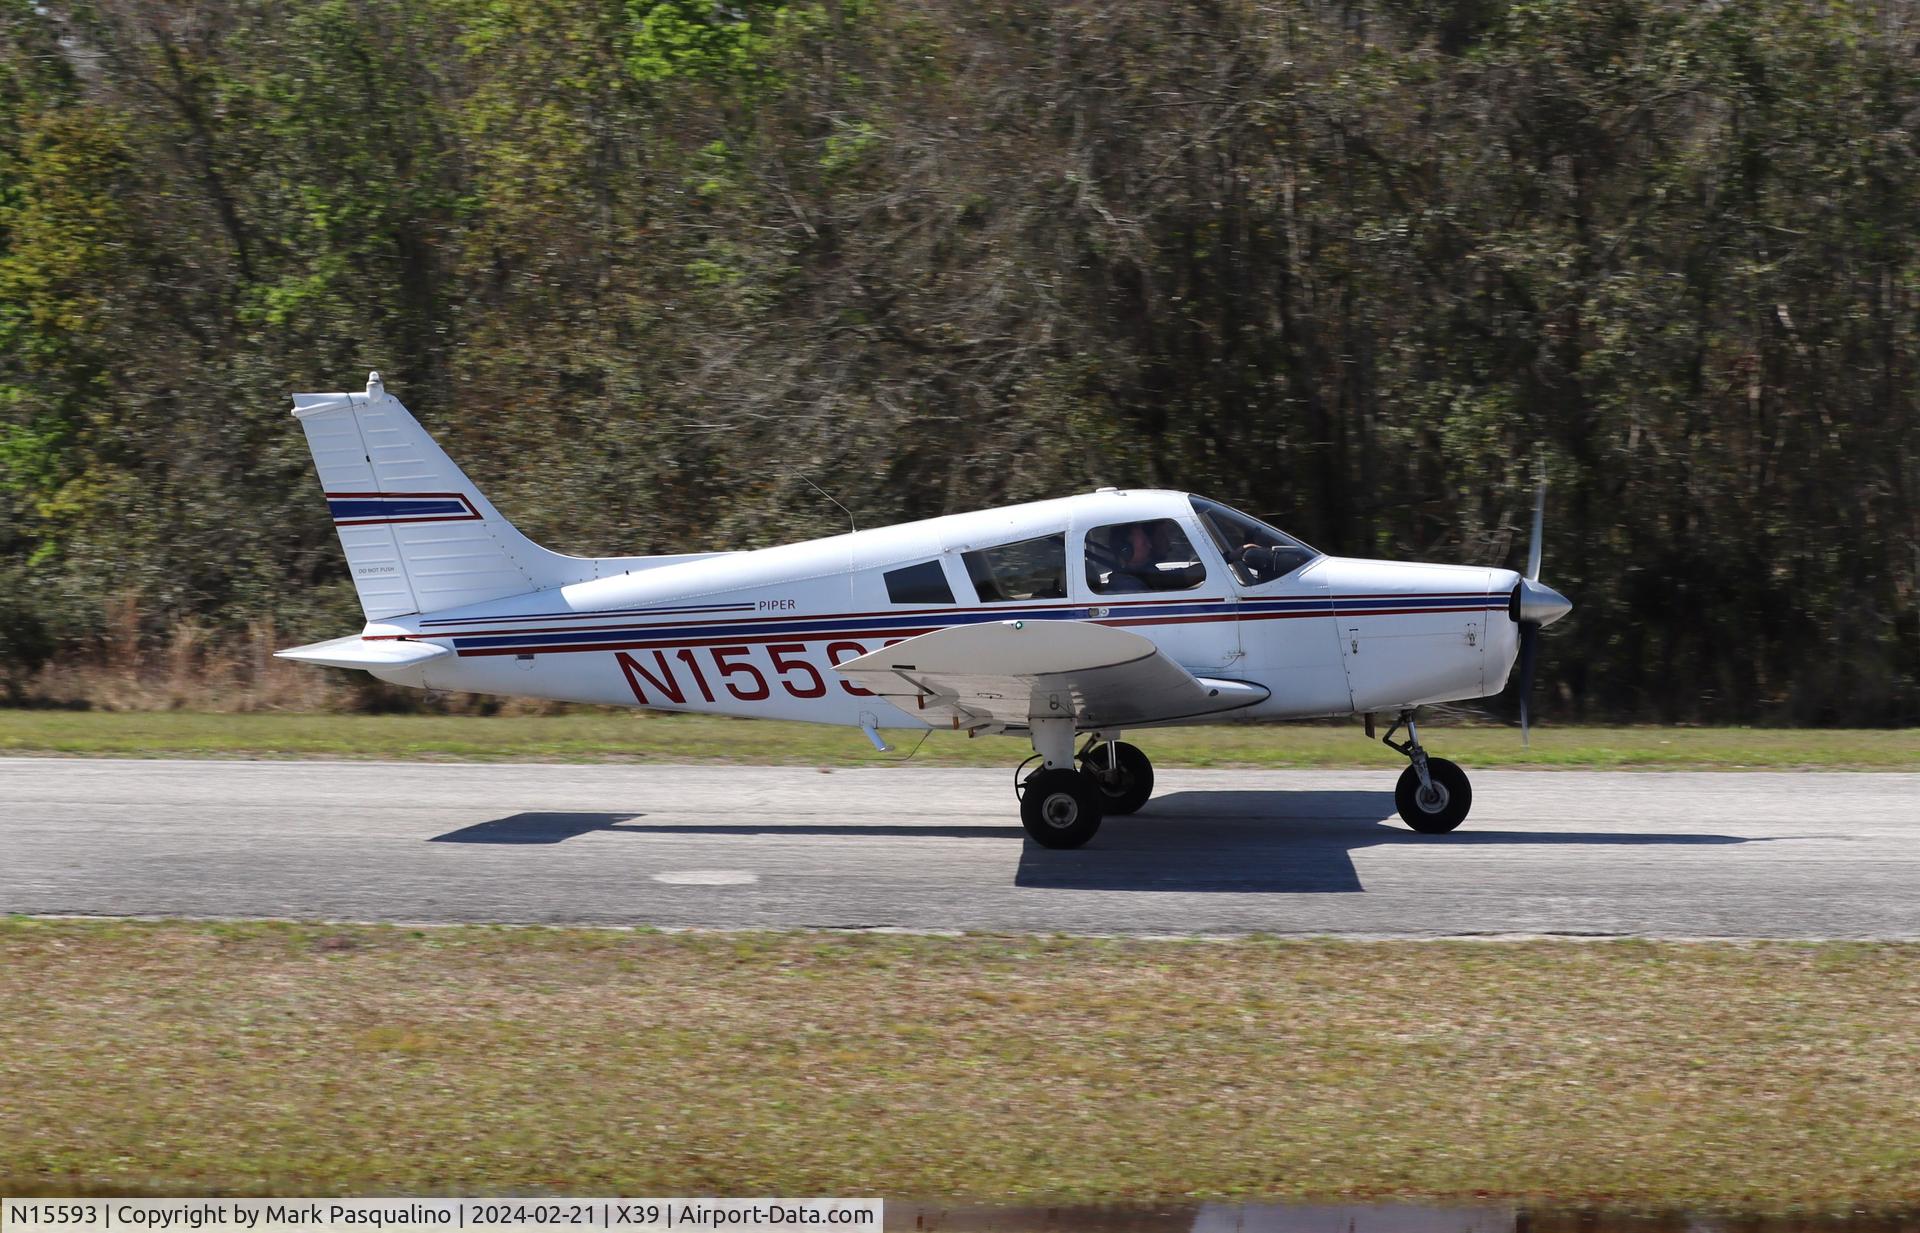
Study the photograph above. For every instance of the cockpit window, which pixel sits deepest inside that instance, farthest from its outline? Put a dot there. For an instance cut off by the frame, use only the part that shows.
(1030, 569)
(1255, 552)
(1154, 555)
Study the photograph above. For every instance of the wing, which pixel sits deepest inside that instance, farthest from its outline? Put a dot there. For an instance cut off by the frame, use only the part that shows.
(1004, 673)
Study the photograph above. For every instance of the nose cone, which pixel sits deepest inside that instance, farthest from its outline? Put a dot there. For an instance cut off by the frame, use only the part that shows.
(1535, 603)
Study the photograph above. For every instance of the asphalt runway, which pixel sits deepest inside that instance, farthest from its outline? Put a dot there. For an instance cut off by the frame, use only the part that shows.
(1283, 852)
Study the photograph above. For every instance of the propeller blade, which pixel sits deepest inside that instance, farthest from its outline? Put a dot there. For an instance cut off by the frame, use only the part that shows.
(1529, 647)
(1539, 523)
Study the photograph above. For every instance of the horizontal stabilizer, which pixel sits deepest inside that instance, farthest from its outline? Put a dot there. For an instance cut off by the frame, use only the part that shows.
(354, 651)
(1006, 673)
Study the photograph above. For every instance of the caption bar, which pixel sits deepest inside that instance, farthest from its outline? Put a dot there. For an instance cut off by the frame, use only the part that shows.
(412, 1215)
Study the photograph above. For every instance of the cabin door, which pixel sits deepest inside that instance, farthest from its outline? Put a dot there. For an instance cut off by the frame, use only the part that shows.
(1152, 577)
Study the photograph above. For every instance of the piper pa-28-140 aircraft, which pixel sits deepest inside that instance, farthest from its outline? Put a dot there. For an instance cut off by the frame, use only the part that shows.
(1062, 621)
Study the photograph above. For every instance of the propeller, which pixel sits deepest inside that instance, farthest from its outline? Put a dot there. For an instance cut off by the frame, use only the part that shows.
(1533, 607)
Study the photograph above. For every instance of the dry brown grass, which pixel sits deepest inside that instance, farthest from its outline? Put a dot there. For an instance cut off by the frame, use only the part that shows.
(261, 1057)
(193, 667)
(190, 668)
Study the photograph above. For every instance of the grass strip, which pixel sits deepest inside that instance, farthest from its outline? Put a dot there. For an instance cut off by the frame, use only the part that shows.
(169, 1057)
(654, 737)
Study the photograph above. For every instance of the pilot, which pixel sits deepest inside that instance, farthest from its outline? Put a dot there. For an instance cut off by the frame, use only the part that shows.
(1139, 554)
(1133, 557)
(1263, 563)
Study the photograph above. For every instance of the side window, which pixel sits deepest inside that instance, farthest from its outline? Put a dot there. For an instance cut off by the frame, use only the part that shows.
(1030, 569)
(925, 583)
(1155, 555)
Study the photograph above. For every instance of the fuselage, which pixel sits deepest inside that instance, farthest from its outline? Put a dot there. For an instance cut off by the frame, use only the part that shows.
(757, 633)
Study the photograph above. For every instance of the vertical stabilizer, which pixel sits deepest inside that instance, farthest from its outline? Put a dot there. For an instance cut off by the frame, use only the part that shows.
(418, 535)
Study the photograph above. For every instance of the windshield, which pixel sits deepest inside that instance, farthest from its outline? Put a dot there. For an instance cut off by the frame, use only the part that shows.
(1255, 552)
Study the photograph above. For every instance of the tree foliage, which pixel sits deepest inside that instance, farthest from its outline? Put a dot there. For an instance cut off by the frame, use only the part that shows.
(647, 266)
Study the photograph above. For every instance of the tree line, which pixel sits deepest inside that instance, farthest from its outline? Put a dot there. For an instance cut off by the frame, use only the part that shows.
(651, 269)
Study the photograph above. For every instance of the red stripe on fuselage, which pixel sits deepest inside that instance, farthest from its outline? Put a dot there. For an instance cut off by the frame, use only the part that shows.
(763, 617)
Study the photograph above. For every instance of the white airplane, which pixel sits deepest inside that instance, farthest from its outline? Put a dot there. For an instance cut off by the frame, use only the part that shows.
(1081, 617)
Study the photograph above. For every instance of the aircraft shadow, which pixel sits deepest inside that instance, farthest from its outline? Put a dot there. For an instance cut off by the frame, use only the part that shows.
(1266, 843)
(537, 828)
(1231, 842)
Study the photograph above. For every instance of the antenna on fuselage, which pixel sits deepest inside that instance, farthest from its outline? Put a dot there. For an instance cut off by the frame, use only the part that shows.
(851, 525)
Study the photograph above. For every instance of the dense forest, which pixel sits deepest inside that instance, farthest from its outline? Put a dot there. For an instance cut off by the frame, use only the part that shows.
(648, 267)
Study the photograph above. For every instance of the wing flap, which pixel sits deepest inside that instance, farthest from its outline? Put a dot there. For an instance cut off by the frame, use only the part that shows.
(1007, 673)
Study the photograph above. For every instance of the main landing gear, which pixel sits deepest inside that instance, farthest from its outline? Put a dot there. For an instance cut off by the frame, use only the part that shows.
(1061, 804)
(1433, 794)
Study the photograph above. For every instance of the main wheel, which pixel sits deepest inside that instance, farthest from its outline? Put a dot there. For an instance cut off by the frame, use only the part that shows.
(1060, 808)
(1444, 808)
(1123, 790)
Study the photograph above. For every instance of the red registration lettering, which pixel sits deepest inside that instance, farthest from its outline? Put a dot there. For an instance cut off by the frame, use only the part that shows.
(835, 657)
(721, 656)
(685, 656)
(789, 657)
(636, 672)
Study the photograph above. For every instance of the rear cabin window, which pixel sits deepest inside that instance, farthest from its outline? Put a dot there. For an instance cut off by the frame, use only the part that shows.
(925, 583)
(1030, 569)
(1154, 555)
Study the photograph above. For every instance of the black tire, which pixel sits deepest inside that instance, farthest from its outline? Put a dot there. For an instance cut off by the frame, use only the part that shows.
(1060, 808)
(1128, 789)
(1435, 816)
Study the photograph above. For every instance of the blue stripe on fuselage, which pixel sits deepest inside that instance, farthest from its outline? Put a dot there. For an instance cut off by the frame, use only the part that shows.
(826, 625)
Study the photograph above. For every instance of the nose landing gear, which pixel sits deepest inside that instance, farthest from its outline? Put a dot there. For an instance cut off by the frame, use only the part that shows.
(1433, 795)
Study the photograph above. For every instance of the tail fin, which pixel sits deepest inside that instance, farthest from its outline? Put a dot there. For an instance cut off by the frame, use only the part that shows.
(419, 535)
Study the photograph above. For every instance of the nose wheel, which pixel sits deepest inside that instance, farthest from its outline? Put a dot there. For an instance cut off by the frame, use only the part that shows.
(1439, 805)
(1433, 794)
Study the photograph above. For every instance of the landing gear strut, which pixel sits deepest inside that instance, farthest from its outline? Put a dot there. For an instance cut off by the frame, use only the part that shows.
(1433, 795)
(1061, 804)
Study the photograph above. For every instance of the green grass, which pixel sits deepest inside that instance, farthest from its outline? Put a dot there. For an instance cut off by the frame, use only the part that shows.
(652, 737)
(327, 1059)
